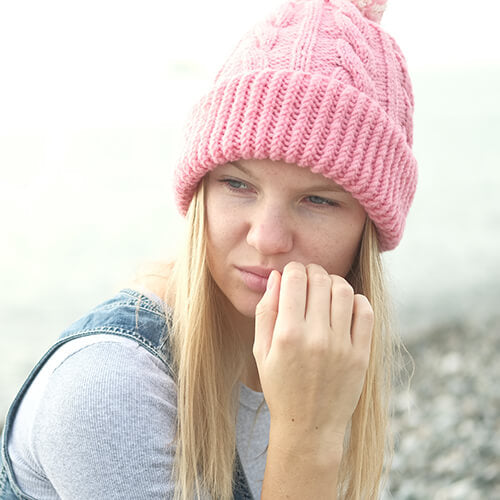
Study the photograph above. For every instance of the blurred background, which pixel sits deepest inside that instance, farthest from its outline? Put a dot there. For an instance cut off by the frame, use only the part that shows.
(93, 97)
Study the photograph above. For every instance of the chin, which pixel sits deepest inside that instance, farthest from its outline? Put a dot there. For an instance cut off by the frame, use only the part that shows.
(246, 306)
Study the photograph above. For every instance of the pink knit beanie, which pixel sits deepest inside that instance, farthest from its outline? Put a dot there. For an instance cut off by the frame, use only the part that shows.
(321, 85)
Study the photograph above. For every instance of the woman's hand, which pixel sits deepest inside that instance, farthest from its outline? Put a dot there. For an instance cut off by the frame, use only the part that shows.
(312, 347)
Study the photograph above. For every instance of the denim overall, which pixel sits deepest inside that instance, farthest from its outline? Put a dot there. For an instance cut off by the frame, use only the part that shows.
(129, 314)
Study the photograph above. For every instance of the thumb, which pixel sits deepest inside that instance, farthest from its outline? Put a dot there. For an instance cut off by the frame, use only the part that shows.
(265, 317)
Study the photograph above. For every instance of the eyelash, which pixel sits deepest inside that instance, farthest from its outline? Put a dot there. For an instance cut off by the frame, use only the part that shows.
(228, 183)
(322, 201)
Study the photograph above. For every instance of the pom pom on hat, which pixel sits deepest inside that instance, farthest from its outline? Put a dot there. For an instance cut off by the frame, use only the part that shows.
(371, 9)
(318, 85)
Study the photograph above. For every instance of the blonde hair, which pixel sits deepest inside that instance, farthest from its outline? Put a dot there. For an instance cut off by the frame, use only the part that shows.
(208, 364)
(368, 453)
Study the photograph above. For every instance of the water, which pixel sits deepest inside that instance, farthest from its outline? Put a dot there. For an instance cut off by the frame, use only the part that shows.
(82, 206)
(447, 263)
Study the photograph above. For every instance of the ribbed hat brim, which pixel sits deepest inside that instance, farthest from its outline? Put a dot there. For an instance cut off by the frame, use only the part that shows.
(312, 121)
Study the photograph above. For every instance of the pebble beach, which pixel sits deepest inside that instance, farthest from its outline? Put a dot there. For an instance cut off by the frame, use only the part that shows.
(447, 423)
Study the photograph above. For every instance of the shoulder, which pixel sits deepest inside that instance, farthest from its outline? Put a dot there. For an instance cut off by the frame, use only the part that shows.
(109, 409)
(87, 374)
(105, 371)
(130, 314)
(99, 393)
(157, 278)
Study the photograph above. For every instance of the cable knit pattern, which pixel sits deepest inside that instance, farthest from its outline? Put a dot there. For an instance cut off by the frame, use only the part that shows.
(319, 85)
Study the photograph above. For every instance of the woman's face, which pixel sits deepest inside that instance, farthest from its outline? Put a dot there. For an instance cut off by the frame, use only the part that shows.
(263, 214)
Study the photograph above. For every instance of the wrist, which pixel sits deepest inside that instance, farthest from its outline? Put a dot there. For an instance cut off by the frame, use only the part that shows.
(316, 446)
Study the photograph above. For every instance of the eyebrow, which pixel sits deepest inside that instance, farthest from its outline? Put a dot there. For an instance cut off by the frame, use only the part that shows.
(316, 187)
(242, 168)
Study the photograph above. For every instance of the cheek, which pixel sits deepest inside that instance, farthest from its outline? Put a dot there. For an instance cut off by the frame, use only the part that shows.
(218, 231)
(214, 219)
(336, 251)
(224, 231)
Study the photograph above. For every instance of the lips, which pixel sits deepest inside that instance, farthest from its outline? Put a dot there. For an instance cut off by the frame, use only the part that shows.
(255, 278)
(257, 270)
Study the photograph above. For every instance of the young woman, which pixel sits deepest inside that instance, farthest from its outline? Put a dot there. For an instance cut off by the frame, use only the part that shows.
(258, 364)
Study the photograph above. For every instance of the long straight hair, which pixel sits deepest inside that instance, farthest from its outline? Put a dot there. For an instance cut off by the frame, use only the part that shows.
(369, 448)
(208, 364)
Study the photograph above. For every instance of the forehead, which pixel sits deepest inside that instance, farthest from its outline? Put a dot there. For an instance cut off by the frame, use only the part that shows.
(279, 171)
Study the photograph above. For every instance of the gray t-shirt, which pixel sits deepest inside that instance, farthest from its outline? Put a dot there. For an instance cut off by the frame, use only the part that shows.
(98, 419)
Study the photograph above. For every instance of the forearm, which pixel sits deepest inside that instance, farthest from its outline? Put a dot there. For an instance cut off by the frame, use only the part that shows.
(298, 469)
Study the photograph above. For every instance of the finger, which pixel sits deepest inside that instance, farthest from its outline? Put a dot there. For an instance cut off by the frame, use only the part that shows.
(362, 324)
(293, 293)
(265, 317)
(319, 295)
(341, 307)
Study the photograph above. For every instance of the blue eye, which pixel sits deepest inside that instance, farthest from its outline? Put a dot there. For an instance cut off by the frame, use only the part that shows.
(318, 200)
(234, 185)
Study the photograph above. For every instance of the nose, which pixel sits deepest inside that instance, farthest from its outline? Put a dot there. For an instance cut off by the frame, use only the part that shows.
(271, 230)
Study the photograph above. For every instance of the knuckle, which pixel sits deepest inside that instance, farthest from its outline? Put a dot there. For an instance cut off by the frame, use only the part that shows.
(343, 289)
(260, 309)
(294, 265)
(318, 347)
(367, 315)
(341, 351)
(338, 280)
(363, 307)
(315, 268)
(286, 339)
(259, 312)
(322, 280)
(317, 275)
(294, 271)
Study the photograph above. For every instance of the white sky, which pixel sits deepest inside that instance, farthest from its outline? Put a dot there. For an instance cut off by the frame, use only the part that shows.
(91, 91)
(110, 62)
